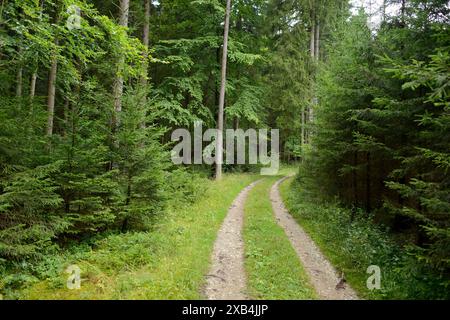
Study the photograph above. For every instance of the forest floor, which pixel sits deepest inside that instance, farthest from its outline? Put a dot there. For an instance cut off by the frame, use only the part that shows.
(237, 242)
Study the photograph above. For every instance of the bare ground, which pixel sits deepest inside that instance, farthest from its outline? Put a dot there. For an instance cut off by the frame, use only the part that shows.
(226, 279)
(323, 277)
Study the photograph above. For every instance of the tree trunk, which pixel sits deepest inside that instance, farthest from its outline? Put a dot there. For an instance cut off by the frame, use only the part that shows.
(66, 116)
(403, 11)
(118, 82)
(124, 12)
(19, 82)
(146, 42)
(236, 123)
(303, 126)
(368, 183)
(312, 48)
(220, 120)
(317, 41)
(313, 36)
(145, 37)
(51, 94)
(33, 85)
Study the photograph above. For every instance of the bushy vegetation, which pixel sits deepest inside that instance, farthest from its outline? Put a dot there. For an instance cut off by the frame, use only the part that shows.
(381, 131)
(168, 261)
(354, 242)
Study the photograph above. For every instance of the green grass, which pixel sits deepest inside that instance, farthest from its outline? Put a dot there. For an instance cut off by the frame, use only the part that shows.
(273, 268)
(352, 246)
(168, 262)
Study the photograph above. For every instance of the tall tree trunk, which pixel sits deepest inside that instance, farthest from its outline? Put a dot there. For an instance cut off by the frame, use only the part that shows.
(312, 45)
(118, 82)
(51, 93)
(312, 51)
(146, 37)
(146, 42)
(317, 41)
(239, 24)
(220, 120)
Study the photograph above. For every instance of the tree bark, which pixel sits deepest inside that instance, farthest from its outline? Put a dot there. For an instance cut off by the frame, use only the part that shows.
(312, 45)
(312, 48)
(33, 85)
(303, 126)
(146, 43)
(236, 123)
(317, 41)
(118, 83)
(146, 37)
(19, 82)
(220, 120)
(124, 12)
(51, 93)
(368, 183)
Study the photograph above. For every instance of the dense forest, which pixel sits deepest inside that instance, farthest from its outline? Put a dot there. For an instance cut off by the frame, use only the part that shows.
(91, 91)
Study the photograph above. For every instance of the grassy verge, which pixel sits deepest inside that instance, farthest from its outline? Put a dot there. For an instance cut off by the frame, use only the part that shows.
(353, 245)
(273, 268)
(168, 262)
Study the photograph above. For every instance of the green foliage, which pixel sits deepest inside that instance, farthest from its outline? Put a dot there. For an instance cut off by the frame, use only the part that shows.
(167, 262)
(87, 178)
(369, 118)
(353, 242)
(382, 133)
(29, 222)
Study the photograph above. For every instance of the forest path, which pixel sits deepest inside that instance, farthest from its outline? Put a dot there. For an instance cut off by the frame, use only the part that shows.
(226, 279)
(322, 275)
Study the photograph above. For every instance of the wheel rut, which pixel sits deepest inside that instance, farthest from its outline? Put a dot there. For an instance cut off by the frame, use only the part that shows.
(324, 278)
(226, 279)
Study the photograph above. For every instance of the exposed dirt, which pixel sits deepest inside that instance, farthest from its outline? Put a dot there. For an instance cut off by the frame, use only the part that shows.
(323, 277)
(227, 279)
